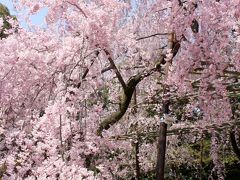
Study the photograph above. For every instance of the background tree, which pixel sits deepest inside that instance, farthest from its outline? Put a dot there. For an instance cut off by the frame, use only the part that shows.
(5, 18)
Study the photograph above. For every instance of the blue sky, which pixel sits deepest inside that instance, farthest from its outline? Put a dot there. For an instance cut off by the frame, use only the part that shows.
(37, 19)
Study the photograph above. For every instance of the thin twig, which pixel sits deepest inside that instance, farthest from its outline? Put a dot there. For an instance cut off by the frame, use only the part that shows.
(152, 35)
(7, 73)
(80, 9)
(61, 139)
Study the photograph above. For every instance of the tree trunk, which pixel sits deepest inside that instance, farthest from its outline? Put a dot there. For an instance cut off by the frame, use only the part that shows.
(138, 175)
(161, 147)
(161, 151)
(236, 150)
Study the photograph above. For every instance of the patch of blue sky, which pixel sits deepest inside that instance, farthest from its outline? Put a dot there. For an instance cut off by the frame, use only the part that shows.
(36, 19)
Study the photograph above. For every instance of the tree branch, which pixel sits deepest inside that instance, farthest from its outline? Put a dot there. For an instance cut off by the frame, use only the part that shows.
(118, 74)
(80, 9)
(125, 100)
(194, 130)
(87, 70)
(127, 93)
(152, 35)
(106, 69)
(128, 90)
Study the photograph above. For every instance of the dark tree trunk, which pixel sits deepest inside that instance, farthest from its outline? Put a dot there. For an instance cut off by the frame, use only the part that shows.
(161, 151)
(161, 147)
(236, 149)
(138, 175)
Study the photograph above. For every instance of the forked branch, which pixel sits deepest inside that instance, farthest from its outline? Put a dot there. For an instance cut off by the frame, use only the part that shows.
(128, 90)
(125, 100)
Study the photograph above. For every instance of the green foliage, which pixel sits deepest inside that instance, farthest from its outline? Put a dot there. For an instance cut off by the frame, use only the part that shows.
(233, 171)
(151, 111)
(201, 151)
(4, 11)
(104, 94)
(5, 15)
(202, 164)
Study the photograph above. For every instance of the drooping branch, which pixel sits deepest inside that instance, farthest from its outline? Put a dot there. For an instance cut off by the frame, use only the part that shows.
(87, 70)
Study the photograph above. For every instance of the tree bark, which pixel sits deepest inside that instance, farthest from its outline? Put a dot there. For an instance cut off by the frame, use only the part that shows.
(162, 141)
(161, 151)
(235, 147)
(125, 100)
(138, 175)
